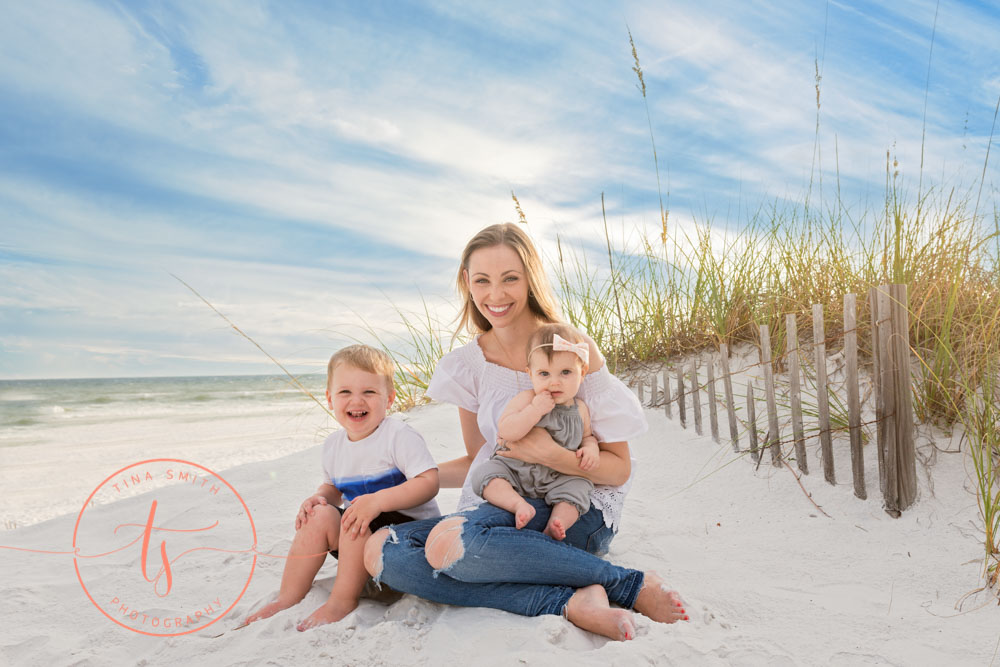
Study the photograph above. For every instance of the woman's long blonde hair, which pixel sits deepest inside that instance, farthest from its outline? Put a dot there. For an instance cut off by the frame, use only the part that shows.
(541, 300)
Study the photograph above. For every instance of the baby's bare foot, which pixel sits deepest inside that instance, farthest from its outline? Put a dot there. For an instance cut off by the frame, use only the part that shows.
(658, 602)
(523, 513)
(267, 611)
(555, 529)
(589, 609)
(331, 612)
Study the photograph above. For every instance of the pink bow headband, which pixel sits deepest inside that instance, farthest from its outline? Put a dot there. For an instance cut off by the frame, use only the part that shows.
(560, 344)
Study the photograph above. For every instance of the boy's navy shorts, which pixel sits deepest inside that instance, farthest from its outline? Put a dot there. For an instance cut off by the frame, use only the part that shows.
(381, 521)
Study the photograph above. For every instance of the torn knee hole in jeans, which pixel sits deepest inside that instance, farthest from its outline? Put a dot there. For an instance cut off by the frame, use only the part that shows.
(380, 564)
(445, 547)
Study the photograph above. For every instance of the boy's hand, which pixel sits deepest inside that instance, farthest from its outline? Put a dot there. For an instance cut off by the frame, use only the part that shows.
(307, 509)
(361, 512)
(543, 402)
(589, 454)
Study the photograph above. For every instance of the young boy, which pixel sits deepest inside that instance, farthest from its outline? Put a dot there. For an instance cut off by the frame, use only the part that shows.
(378, 465)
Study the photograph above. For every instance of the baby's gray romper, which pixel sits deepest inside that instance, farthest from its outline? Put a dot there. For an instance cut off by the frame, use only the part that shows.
(534, 480)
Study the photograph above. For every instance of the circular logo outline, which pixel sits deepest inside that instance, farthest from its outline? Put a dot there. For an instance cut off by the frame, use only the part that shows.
(86, 503)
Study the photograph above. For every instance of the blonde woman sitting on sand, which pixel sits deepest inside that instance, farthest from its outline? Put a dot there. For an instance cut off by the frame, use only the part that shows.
(479, 557)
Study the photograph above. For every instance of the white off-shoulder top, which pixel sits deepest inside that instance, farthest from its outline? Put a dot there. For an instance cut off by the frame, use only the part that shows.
(465, 378)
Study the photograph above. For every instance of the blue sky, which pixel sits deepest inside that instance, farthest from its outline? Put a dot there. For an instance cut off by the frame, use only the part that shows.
(302, 164)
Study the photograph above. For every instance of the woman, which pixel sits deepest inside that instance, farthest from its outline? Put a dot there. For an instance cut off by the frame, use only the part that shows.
(477, 557)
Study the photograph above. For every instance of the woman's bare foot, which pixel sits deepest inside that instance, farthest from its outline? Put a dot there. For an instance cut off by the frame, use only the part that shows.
(523, 513)
(331, 612)
(555, 529)
(659, 603)
(267, 611)
(590, 610)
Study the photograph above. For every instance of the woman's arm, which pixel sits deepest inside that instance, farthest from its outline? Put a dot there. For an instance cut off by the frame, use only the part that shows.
(539, 447)
(452, 473)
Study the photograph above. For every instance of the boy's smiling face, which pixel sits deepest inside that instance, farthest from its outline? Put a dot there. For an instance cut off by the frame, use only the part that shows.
(359, 400)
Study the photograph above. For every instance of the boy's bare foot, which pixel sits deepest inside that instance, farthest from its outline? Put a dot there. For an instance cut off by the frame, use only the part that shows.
(267, 611)
(590, 610)
(523, 513)
(555, 530)
(659, 603)
(331, 612)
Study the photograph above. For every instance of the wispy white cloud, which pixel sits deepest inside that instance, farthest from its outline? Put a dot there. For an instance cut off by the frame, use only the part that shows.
(303, 164)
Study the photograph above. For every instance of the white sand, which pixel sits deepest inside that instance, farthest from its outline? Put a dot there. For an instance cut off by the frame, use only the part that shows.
(767, 578)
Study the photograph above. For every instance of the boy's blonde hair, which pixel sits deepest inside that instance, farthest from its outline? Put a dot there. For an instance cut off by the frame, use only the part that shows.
(542, 339)
(366, 358)
(541, 300)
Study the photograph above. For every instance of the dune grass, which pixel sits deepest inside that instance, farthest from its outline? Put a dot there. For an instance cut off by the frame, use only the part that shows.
(664, 293)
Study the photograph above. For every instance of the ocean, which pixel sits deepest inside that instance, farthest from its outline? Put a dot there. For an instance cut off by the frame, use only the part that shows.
(29, 409)
(60, 438)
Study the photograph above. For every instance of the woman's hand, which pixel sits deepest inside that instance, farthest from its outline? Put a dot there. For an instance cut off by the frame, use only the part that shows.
(536, 447)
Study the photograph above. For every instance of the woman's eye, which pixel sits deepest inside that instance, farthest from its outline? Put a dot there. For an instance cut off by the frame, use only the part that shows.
(511, 279)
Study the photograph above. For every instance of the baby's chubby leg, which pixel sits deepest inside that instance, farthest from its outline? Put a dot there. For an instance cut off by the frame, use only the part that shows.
(318, 534)
(564, 515)
(347, 587)
(499, 492)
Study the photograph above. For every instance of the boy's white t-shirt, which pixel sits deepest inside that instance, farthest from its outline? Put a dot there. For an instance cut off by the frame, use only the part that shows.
(392, 454)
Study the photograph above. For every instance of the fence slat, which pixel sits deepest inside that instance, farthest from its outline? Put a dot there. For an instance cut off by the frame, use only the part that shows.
(752, 418)
(873, 307)
(666, 394)
(853, 399)
(905, 453)
(795, 391)
(695, 397)
(727, 384)
(680, 398)
(773, 434)
(888, 431)
(642, 392)
(713, 413)
(654, 391)
(822, 397)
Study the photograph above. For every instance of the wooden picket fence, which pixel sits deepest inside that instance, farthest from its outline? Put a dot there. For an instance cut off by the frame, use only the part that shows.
(893, 399)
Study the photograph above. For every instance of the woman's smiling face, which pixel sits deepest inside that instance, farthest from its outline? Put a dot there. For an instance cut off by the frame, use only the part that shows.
(498, 284)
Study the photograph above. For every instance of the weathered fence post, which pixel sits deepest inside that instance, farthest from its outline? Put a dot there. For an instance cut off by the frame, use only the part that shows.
(727, 384)
(894, 362)
(773, 435)
(822, 398)
(713, 414)
(752, 417)
(666, 393)
(873, 305)
(642, 393)
(680, 397)
(853, 400)
(792, 347)
(652, 399)
(695, 397)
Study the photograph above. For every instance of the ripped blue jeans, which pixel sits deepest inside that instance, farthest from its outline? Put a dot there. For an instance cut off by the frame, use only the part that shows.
(520, 571)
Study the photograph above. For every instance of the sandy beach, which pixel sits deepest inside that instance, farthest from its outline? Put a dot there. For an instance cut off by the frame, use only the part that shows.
(767, 577)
